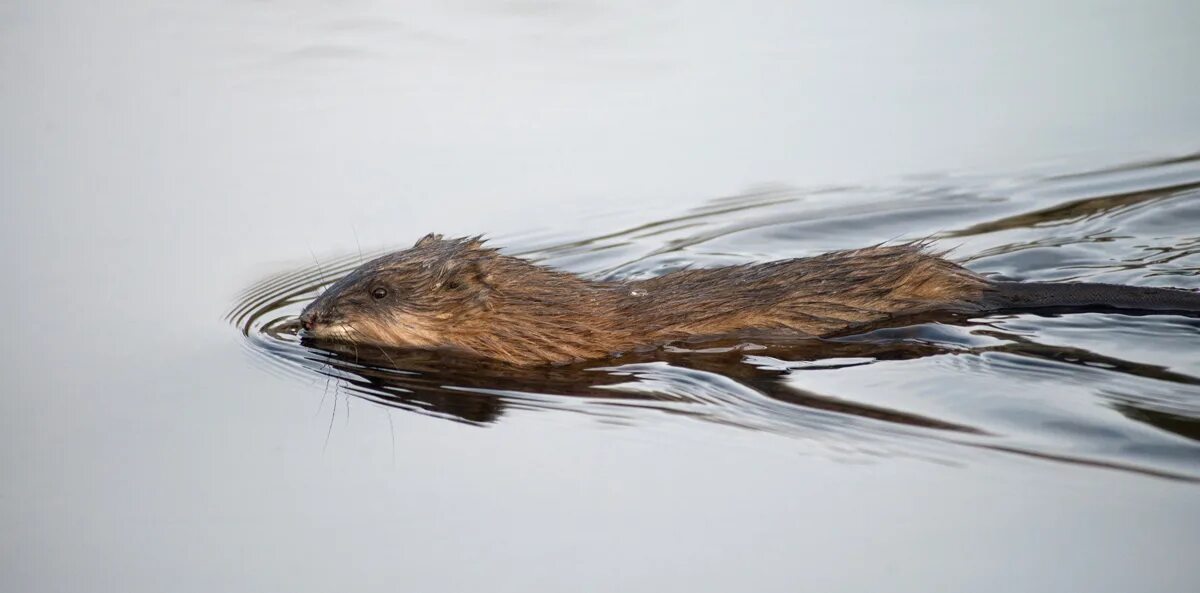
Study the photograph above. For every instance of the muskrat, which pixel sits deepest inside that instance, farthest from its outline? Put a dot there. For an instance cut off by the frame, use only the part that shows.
(461, 295)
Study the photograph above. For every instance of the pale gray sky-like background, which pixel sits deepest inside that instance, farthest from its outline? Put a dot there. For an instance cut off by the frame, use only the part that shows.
(158, 157)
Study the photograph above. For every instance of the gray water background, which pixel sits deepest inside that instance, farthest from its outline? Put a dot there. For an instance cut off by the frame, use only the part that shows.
(158, 158)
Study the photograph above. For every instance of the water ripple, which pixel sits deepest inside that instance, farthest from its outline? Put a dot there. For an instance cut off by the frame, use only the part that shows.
(1108, 391)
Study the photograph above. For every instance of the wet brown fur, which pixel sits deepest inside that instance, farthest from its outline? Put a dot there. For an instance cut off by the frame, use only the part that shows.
(461, 295)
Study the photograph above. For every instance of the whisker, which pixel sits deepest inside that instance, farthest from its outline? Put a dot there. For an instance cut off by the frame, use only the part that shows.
(320, 272)
(332, 416)
(355, 346)
(391, 429)
(356, 242)
(324, 394)
(380, 348)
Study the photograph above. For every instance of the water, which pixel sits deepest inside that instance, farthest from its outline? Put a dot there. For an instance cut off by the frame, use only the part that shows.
(178, 180)
(1125, 394)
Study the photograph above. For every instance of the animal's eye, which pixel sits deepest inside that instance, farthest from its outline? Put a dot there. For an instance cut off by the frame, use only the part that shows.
(453, 284)
(379, 292)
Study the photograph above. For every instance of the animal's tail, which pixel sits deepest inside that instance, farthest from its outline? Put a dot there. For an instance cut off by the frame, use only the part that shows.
(1091, 296)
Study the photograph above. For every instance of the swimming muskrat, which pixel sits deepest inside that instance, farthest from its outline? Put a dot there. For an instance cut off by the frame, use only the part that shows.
(459, 295)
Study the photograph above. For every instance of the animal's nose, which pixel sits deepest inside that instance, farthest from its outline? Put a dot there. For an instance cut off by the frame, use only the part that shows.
(308, 319)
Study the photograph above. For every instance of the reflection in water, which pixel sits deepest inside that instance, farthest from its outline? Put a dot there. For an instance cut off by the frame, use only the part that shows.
(908, 388)
(1079, 210)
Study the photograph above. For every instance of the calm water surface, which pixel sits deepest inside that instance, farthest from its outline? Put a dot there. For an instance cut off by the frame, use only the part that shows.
(179, 180)
(1104, 390)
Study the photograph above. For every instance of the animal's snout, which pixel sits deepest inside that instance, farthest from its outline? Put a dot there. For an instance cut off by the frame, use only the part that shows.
(308, 319)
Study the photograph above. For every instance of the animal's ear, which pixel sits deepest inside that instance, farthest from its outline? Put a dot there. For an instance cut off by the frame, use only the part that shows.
(468, 279)
(429, 239)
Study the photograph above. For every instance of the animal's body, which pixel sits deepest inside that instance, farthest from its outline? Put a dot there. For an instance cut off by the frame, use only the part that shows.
(460, 295)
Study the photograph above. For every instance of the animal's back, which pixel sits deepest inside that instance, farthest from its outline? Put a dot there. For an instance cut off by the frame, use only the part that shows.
(816, 295)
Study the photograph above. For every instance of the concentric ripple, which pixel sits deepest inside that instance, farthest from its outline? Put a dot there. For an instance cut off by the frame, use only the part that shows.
(1106, 390)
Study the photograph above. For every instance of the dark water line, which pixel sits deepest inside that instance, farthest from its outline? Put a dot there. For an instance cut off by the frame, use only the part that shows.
(1096, 463)
(1090, 206)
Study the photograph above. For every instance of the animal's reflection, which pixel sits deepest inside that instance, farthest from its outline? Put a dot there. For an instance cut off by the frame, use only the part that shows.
(735, 380)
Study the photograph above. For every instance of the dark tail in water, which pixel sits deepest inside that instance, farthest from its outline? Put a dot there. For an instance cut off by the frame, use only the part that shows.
(1091, 296)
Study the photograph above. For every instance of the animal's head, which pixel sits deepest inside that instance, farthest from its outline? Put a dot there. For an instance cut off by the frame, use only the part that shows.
(414, 297)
